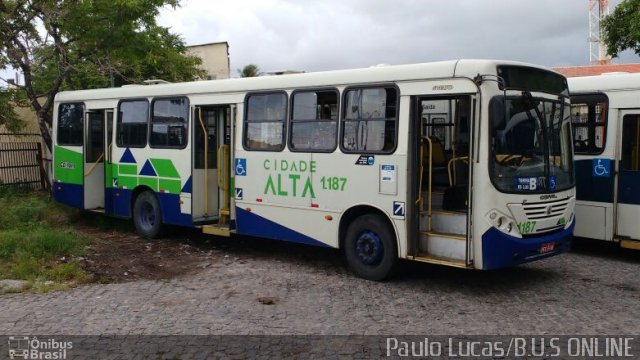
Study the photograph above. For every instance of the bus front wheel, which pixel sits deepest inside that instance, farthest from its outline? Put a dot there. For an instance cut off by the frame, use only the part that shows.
(146, 215)
(370, 247)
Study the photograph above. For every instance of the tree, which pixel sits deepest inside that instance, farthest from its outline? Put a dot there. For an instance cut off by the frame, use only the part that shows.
(621, 29)
(81, 44)
(250, 70)
(8, 117)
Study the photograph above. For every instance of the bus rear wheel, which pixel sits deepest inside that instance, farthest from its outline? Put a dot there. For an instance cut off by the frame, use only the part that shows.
(147, 216)
(370, 247)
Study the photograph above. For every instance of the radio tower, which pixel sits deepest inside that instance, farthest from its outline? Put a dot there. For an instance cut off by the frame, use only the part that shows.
(598, 9)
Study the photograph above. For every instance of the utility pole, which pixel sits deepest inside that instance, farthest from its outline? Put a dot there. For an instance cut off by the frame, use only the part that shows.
(598, 9)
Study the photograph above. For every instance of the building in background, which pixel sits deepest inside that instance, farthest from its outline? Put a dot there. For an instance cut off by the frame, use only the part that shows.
(215, 59)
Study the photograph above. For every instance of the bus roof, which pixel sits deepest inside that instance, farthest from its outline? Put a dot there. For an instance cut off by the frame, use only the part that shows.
(444, 69)
(605, 82)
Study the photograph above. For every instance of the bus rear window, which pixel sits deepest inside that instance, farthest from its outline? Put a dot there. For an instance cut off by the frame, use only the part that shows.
(70, 124)
(589, 122)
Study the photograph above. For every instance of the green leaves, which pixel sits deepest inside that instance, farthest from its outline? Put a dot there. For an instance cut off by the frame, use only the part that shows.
(9, 98)
(81, 44)
(621, 29)
(250, 70)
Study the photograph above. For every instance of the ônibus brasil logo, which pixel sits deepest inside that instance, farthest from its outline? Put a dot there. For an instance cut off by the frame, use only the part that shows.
(25, 347)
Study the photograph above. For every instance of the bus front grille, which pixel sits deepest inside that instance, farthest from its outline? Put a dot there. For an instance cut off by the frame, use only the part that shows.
(546, 210)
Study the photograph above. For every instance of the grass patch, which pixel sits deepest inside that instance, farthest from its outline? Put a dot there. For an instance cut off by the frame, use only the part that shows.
(36, 242)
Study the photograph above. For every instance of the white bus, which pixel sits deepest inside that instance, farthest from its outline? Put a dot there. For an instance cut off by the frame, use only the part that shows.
(606, 124)
(464, 163)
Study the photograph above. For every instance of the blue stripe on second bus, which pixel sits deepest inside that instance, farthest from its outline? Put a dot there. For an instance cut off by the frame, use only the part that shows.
(248, 223)
(592, 188)
(629, 187)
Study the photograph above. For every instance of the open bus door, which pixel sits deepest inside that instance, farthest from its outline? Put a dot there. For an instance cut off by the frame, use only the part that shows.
(628, 199)
(444, 133)
(210, 179)
(97, 136)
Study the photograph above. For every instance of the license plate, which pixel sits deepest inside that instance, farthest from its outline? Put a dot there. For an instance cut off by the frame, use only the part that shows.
(545, 248)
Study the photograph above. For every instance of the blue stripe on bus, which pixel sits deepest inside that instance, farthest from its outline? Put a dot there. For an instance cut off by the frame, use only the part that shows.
(592, 188)
(248, 223)
(187, 186)
(170, 208)
(108, 201)
(121, 202)
(70, 194)
(500, 250)
(629, 187)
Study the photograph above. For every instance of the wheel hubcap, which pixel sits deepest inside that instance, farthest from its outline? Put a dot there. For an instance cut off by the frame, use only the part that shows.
(147, 215)
(369, 248)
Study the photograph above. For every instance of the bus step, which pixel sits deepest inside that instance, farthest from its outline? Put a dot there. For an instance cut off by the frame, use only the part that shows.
(218, 230)
(630, 244)
(445, 222)
(205, 220)
(97, 210)
(444, 245)
(436, 199)
(431, 259)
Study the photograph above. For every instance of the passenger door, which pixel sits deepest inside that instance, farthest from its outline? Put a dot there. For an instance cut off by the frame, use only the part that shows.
(628, 207)
(209, 195)
(94, 151)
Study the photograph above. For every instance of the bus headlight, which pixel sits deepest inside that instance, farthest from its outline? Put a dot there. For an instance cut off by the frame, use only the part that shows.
(502, 222)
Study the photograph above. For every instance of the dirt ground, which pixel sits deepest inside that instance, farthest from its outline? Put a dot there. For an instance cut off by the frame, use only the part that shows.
(119, 255)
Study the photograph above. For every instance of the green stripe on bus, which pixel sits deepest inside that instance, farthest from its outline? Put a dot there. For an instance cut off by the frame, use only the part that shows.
(170, 186)
(165, 168)
(127, 169)
(128, 182)
(151, 182)
(68, 166)
(108, 175)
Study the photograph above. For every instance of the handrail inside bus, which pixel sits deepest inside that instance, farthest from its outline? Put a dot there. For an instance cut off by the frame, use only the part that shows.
(206, 162)
(223, 180)
(452, 175)
(94, 165)
(430, 178)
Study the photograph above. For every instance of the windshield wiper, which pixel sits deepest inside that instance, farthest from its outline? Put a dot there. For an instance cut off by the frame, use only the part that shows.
(526, 95)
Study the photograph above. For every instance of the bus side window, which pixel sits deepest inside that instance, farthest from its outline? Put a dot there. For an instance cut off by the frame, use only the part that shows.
(169, 123)
(264, 121)
(133, 116)
(314, 121)
(370, 120)
(589, 122)
(630, 159)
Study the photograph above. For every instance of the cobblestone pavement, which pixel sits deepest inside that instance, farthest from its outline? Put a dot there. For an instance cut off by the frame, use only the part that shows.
(261, 287)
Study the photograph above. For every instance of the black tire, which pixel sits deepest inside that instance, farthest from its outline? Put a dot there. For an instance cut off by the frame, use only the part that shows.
(370, 247)
(147, 216)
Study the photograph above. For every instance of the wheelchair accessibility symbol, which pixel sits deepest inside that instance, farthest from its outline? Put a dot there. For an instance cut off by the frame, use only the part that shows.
(601, 167)
(241, 167)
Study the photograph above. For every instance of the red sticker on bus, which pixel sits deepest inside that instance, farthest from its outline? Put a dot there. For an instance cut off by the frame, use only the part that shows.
(545, 248)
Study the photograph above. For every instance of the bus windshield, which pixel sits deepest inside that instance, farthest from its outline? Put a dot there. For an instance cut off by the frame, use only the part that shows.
(530, 144)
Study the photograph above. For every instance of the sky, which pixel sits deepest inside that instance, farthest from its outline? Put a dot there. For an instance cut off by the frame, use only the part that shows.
(312, 35)
(316, 35)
